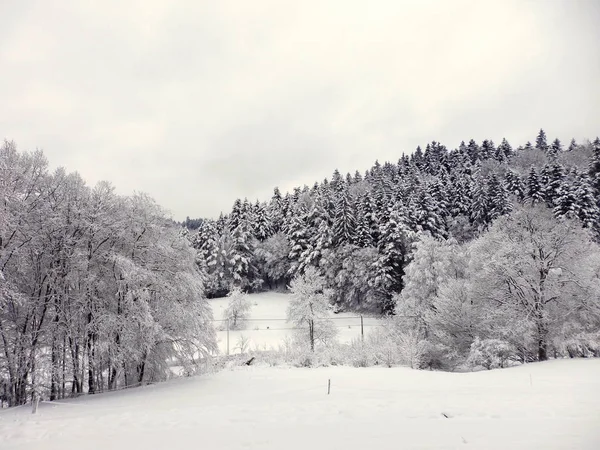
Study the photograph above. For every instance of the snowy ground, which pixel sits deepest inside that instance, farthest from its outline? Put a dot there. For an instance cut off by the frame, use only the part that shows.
(551, 405)
(267, 326)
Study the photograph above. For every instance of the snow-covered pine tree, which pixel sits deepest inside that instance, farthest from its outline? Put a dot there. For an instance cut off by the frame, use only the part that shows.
(237, 215)
(498, 197)
(556, 177)
(299, 242)
(587, 208)
(504, 151)
(429, 215)
(594, 169)
(473, 151)
(556, 147)
(262, 222)
(344, 220)
(572, 145)
(394, 245)
(417, 158)
(534, 189)
(514, 184)
(275, 211)
(459, 196)
(488, 149)
(541, 142)
(479, 213)
(240, 256)
(363, 237)
(566, 203)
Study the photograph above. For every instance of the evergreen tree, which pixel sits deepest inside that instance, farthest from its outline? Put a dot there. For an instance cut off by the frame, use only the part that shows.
(459, 197)
(498, 197)
(318, 244)
(429, 217)
(221, 223)
(557, 146)
(394, 247)
(363, 237)
(594, 169)
(262, 223)
(417, 158)
(587, 208)
(572, 145)
(480, 206)
(344, 221)
(276, 211)
(241, 255)
(556, 178)
(237, 215)
(534, 189)
(504, 151)
(514, 185)
(488, 150)
(540, 141)
(473, 151)
(299, 242)
(566, 203)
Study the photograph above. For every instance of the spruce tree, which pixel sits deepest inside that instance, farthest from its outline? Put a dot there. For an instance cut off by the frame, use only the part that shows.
(473, 151)
(262, 223)
(299, 242)
(429, 217)
(534, 189)
(498, 198)
(479, 213)
(566, 203)
(393, 248)
(488, 150)
(555, 181)
(237, 215)
(344, 220)
(572, 145)
(594, 169)
(587, 208)
(504, 151)
(540, 141)
(514, 185)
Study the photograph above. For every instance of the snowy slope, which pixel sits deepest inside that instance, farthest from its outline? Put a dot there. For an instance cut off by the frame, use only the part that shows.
(551, 405)
(267, 326)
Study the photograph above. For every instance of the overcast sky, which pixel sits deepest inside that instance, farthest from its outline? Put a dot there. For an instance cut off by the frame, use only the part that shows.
(200, 102)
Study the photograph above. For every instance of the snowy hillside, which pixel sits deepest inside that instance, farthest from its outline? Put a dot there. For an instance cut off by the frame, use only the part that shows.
(550, 405)
(267, 327)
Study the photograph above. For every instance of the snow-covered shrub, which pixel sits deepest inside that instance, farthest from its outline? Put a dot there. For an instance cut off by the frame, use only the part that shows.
(437, 356)
(359, 354)
(582, 344)
(238, 308)
(490, 353)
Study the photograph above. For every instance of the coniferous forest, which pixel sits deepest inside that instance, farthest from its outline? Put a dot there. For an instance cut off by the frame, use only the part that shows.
(482, 255)
(485, 245)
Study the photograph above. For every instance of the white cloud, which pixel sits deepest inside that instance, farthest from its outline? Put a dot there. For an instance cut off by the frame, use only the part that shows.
(198, 103)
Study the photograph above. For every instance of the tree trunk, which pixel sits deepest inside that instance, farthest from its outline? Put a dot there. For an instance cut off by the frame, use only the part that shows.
(54, 388)
(91, 359)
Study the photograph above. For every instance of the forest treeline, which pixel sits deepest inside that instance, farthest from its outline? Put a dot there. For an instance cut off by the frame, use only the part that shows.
(376, 239)
(97, 290)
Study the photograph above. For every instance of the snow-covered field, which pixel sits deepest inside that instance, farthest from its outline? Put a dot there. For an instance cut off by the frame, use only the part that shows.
(267, 327)
(551, 405)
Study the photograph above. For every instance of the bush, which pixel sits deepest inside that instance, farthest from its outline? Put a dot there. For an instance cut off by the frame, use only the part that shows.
(586, 345)
(490, 353)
